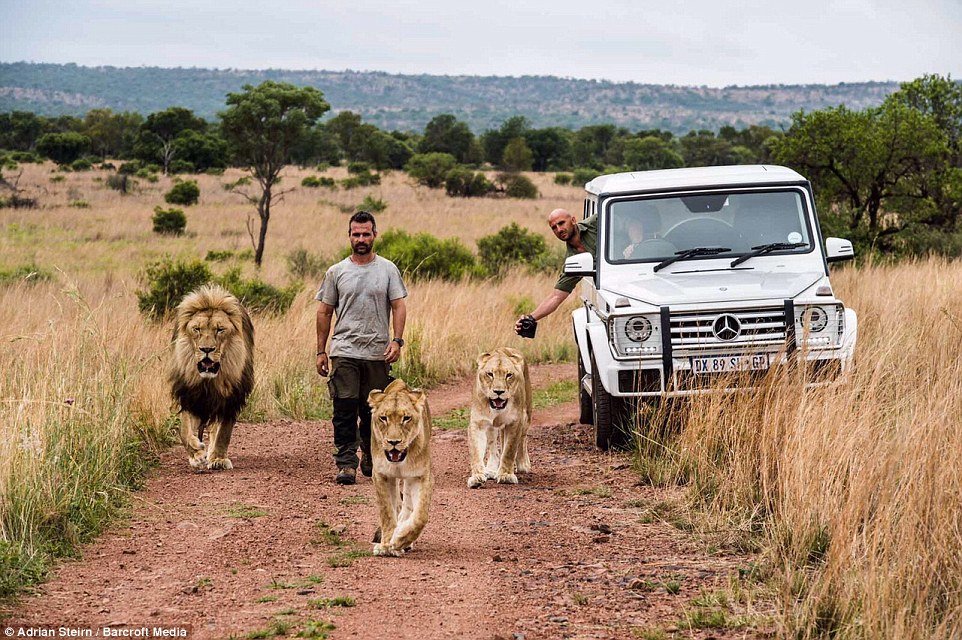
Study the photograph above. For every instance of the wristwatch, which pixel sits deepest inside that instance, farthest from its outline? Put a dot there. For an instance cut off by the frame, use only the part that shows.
(399, 341)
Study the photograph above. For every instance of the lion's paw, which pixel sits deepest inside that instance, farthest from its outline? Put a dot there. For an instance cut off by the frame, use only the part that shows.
(198, 461)
(386, 550)
(477, 480)
(523, 468)
(507, 478)
(220, 463)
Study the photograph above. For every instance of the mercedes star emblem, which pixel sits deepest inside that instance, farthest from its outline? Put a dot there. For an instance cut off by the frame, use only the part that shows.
(726, 327)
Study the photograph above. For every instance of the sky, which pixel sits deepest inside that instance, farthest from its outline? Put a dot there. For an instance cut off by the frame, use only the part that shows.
(713, 43)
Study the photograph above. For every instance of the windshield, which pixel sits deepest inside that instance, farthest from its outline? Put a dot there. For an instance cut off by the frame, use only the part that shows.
(653, 229)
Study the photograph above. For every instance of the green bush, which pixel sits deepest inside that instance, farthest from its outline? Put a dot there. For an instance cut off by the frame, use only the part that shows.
(358, 168)
(424, 257)
(129, 168)
(26, 157)
(185, 193)
(81, 164)
(304, 265)
(361, 180)
(511, 245)
(121, 182)
(167, 282)
(464, 183)
(181, 166)
(223, 256)
(583, 175)
(259, 296)
(169, 222)
(563, 178)
(516, 185)
(372, 204)
(25, 273)
(319, 181)
(430, 169)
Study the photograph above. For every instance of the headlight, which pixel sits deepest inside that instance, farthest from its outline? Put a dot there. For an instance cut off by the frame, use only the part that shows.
(638, 328)
(814, 319)
(819, 326)
(635, 335)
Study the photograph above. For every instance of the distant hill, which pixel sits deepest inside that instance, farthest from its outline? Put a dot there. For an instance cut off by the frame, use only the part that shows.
(408, 102)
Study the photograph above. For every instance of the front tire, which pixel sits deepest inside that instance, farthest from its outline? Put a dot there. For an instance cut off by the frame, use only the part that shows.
(609, 414)
(586, 415)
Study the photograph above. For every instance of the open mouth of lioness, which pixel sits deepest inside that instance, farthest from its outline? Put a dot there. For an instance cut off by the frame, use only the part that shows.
(208, 367)
(395, 455)
(498, 404)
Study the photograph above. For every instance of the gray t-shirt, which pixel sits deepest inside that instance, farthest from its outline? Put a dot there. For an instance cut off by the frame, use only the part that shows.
(361, 295)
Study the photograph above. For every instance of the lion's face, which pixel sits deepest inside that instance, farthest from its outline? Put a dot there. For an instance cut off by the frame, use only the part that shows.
(500, 376)
(213, 342)
(208, 332)
(396, 419)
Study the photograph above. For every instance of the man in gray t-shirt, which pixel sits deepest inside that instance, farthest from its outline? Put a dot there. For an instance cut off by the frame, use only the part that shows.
(366, 292)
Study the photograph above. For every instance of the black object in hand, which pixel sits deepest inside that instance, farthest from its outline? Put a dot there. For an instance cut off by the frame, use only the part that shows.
(528, 327)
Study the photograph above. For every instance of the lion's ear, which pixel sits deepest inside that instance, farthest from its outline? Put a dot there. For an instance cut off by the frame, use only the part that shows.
(483, 358)
(515, 357)
(418, 399)
(374, 398)
(396, 385)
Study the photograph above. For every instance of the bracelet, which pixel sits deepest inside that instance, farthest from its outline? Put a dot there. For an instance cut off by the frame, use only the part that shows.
(321, 353)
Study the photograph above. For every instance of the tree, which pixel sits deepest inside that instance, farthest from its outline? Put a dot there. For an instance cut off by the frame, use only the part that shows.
(650, 152)
(202, 151)
(19, 130)
(430, 169)
(550, 148)
(446, 134)
(517, 156)
(262, 125)
(63, 148)
(591, 144)
(495, 141)
(162, 128)
(863, 158)
(111, 134)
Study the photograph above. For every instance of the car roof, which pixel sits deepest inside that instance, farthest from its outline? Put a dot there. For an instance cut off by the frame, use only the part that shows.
(693, 177)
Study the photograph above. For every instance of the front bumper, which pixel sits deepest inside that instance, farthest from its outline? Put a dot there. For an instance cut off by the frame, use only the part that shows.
(670, 374)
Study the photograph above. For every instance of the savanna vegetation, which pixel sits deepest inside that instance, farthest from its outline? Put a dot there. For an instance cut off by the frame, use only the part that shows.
(850, 496)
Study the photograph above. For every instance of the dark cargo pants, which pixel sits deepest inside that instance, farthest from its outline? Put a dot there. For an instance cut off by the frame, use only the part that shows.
(350, 382)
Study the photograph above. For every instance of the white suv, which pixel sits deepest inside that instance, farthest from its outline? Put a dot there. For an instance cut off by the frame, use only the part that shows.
(701, 273)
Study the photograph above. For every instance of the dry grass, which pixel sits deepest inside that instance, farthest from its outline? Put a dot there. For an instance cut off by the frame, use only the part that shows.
(80, 402)
(854, 492)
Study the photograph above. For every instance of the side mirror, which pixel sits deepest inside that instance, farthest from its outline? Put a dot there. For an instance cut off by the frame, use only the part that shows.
(838, 250)
(580, 265)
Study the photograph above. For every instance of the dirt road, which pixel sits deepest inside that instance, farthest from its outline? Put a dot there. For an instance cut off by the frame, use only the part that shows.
(274, 546)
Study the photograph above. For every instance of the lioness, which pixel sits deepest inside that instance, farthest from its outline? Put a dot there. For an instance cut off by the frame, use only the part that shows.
(500, 415)
(211, 371)
(401, 446)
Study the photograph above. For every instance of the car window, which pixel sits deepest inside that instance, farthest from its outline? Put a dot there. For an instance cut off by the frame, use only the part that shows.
(652, 229)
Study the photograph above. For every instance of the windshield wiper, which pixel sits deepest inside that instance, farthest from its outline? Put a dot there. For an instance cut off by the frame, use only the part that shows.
(767, 248)
(690, 253)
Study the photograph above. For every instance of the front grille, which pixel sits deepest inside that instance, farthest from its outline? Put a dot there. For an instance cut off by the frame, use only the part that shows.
(696, 331)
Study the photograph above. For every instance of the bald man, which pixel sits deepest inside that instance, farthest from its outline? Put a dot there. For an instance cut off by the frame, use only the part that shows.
(578, 238)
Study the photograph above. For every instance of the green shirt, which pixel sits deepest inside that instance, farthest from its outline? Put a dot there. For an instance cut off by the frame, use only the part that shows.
(589, 237)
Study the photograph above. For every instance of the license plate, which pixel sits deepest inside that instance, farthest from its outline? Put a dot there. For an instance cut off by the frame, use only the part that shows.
(725, 364)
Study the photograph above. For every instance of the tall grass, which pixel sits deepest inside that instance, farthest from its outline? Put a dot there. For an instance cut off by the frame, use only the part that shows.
(81, 410)
(853, 492)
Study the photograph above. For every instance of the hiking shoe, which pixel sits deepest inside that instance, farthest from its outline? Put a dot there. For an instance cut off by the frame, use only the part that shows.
(367, 465)
(345, 476)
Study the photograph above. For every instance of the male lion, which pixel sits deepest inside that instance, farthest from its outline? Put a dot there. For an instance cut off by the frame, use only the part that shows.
(211, 371)
(500, 415)
(401, 430)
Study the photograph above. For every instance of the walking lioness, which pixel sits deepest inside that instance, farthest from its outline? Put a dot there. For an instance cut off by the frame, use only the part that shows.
(401, 447)
(500, 415)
